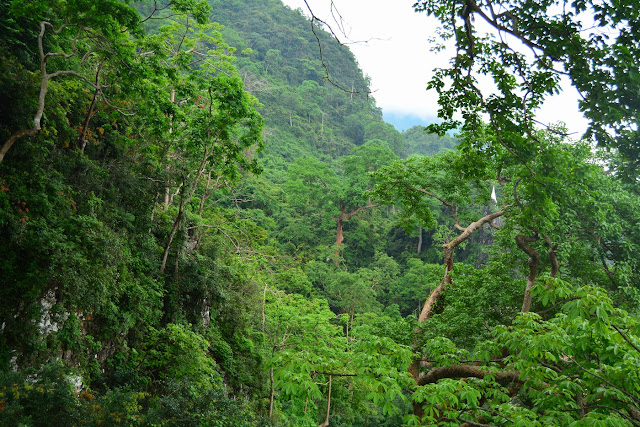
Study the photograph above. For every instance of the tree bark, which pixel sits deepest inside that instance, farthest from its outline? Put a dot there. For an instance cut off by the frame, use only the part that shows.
(205, 195)
(271, 393)
(503, 378)
(436, 294)
(167, 189)
(174, 229)
(37, 119)
(340, 220)
(339, 239)
(449, 248)
(466, 371)
(41, 97)
(534, 263)
(553, 259)
(85, 126)
(325, 423)
(16, 136)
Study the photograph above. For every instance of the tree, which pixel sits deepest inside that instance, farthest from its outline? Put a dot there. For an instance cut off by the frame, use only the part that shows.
(82, 31)
(577, 366)
(128, 112)
(420, 185)
(312, 184)
(527, 47)
(303, 345)
(220, 128)
(417, 140)
(310, 354)
(541, 204)
(382, 131)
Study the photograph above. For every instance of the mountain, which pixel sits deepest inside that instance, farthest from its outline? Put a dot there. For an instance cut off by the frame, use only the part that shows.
(206, 220)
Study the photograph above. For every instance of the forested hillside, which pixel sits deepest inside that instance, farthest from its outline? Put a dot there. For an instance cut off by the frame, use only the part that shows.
(204, 220)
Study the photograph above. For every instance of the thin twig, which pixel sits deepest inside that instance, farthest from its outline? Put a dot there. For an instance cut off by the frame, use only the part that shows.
(624, 336)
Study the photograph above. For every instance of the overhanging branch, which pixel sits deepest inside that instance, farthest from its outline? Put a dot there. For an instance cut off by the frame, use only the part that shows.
(467, 371)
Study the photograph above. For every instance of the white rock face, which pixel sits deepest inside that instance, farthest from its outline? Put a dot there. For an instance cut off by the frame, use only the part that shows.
(76, 381)
(47, 324)
(13, 363)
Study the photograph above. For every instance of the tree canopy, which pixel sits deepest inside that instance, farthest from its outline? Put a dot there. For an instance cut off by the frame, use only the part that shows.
(205, 221)
(526, 48)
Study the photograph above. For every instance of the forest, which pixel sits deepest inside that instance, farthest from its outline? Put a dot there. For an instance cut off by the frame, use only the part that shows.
(205, 220)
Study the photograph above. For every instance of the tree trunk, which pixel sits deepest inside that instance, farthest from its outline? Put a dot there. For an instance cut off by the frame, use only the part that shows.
(467, 371)
(153, 211)
(85, 126)
(325, 423)
(271, 394)
(449, 249)
(340, 220)
(553, 259)
(350, 318)
(419, 240)
(41, 98)
(82, 139)
(44, 84)
(205, 195)
(436, 294)
(429, 304)
(531, 278)
(185, 199)
(16, 136)
(167, 190)
(339, 239)
(172, 234)
(167, 195)
(264, 303)
(534, 263)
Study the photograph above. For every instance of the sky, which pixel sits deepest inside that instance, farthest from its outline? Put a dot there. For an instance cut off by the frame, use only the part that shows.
(391, 44)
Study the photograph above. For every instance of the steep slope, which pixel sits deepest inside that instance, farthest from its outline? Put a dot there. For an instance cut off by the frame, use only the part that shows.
(305, 112)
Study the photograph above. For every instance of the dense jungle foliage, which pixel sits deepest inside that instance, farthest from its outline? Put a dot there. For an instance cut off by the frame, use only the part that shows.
(204, 220)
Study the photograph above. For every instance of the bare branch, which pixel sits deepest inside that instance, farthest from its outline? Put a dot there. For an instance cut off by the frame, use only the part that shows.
(315, 19)
(82, 139)
(349, 215)
(156, 9)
